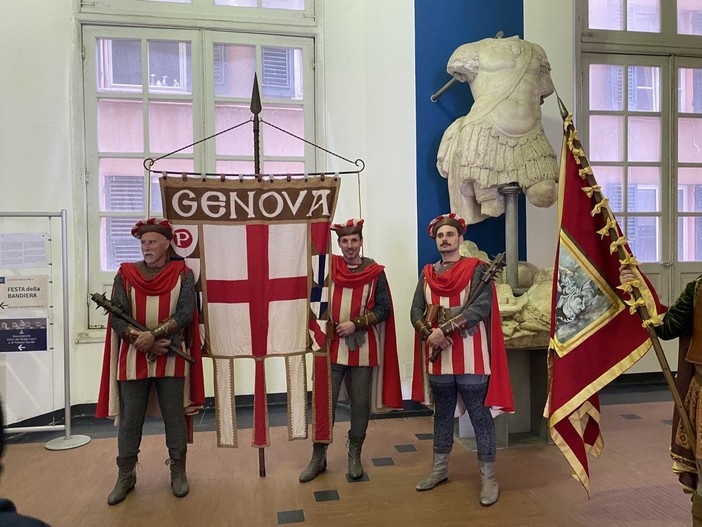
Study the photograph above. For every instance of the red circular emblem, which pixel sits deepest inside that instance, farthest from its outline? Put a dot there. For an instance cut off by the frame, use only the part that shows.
(182, 238)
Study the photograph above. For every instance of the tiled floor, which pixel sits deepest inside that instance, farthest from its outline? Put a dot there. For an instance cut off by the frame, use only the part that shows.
(631, 482)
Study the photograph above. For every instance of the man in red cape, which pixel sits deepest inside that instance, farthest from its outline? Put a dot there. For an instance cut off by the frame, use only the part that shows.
(472, 361)
(158, 293)
(363, 346)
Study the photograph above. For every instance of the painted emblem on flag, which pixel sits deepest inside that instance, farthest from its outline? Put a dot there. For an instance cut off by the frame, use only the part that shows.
(185, 240)
(584, 300)
(185, 244)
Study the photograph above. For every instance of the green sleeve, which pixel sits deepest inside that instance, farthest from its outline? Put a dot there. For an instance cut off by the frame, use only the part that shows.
(678, 319)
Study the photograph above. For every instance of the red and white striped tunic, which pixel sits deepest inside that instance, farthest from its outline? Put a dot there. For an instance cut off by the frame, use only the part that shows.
(348, 303)
(466, 355)
(150, 311)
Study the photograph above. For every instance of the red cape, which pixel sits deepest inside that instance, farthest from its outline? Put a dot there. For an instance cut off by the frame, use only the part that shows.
(341, 276)
(453, 281)
(108, 397)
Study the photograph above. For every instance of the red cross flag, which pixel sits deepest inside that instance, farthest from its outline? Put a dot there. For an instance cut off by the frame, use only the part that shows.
(259, 248)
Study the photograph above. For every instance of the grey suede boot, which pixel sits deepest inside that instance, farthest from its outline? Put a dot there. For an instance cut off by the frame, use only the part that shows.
(126, 479)
(317, 464)
(355, 467)
(179, 480)
(439, 473)
(489, 488)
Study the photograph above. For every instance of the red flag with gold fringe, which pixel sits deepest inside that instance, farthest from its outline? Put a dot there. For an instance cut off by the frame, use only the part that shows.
(594, 337)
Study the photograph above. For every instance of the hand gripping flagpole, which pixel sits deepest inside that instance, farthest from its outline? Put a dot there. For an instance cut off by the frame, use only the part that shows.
(618, 243)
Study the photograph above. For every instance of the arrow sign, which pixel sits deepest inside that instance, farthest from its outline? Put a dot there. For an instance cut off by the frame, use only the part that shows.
(33, 337)
(3, 305)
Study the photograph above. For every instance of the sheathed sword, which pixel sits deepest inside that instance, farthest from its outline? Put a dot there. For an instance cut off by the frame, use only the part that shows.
(495, 267)
(102, 301)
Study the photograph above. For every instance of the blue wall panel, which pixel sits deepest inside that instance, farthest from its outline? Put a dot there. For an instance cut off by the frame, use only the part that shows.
(440, 27)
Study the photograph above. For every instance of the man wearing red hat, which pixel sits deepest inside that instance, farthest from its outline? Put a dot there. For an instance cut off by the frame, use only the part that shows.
(363, 346)
(472, 361)
(158, 293)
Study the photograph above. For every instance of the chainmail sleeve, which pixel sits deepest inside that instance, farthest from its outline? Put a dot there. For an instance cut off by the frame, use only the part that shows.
(185, 307)
(383, 306)
(419, 304)
(119, 299)
(183, 314)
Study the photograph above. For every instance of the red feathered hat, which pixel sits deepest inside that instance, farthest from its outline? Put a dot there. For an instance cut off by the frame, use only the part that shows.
(352, 226)
(158, 225)
(447, 219)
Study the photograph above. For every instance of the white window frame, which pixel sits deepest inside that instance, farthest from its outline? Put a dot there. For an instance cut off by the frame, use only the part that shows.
(203, 11)
(670, 51)
(203, 116)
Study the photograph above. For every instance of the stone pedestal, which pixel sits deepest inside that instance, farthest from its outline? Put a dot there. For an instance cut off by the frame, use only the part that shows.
(528, 373)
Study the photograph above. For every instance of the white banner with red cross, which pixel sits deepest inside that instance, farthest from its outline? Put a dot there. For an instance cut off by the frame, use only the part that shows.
(257, 248)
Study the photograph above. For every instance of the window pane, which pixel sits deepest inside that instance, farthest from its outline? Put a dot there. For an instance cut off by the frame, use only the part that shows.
(120, 126)
(170, 126)
(282, 69)
(644, 138)
(173, 1)
(121, 184)
(690, 189)
(606, 14)
(689, 130)
(297, 5)
(690, 239)
(644, 189)
(237, 3)
(643, 15)
(611, 179)
(643, 234)
(118, 244)
(119, 65)
(176, 165)
(690, 90)
(277, 143)
(606, 138)
(238, 141)
(689, 17)
(644, 89)
(283, 167)
(170, 67)
(234, 68)
(606, 87)
(235, 167)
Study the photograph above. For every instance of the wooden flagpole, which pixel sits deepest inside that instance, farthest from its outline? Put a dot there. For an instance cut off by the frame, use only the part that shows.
(256, 111)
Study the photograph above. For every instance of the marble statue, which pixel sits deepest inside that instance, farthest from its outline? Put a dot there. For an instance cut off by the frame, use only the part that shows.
(501, 140)
(526, 319)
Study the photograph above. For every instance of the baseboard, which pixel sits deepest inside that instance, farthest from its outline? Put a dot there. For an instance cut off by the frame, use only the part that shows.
(650, 378)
